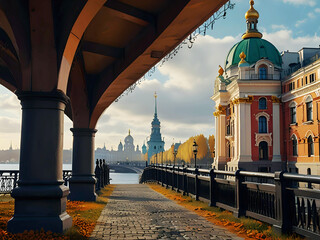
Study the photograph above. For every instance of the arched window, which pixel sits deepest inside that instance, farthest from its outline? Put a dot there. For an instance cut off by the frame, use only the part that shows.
(263, 72)
(228, 150)
(310, 146)
(263, 151)
(293, 114)
(263, 103)
(309, 109)
(262, 124)
(294, 146)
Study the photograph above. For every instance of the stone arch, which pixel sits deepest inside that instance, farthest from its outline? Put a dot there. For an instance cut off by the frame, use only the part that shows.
(262, 114)
(88, 12)
(267, 63)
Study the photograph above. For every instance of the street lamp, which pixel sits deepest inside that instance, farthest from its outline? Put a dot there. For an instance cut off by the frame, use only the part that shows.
(174, 156)
(195, 151)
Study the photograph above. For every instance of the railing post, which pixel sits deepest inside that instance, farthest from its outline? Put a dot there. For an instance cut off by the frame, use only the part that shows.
(15, 179)
(184, 179)
(172, 178)
(212, 188)
(177, 176)
(196, 182)
(97, 175)
(162, 175)
(239, 194)
(281, 204)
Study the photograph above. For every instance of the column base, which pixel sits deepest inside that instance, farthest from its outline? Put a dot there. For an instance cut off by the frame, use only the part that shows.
(82, 188)
(40, 207)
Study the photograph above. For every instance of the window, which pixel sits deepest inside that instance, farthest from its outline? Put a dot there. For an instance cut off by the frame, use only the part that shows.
(262, 103)
(306, 80)
(301, 81)
(294, 146)
(262, 124)
(293, 114)
(310, 146)
(309, 110)
(263, 150)
(154, 147)
(228, 129)
(263, 73)
(228, 150)
(312, 77)
(290, 86)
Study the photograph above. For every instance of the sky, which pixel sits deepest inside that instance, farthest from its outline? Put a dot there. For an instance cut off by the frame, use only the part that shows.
(184, 84)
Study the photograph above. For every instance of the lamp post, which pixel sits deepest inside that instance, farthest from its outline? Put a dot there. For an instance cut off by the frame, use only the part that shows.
(175, 152)
(195, 151)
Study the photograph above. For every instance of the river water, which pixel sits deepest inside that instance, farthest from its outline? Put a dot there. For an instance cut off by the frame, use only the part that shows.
(116, 178)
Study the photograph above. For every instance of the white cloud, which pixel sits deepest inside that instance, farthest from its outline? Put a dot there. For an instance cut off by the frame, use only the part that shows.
(277, 27)
(317, 10)
(184, 90)
(300, 22)
(301, 2)
(284, 40)
(311, 15)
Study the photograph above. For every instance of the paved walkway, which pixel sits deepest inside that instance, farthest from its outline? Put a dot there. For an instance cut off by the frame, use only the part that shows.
(138, 212)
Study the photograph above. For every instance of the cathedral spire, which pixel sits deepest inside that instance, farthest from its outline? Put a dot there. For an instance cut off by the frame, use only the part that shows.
(155, 103)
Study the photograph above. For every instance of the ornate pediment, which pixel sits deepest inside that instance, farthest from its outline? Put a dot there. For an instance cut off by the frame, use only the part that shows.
(260, 137)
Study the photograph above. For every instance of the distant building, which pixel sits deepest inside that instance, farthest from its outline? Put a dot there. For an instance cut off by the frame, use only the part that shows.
(126, 152)
(156, 143)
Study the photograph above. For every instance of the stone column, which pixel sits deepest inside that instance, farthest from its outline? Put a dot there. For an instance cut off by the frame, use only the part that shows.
(82, 182)
(40, 198)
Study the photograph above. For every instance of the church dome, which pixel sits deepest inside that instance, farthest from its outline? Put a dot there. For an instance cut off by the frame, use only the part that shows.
(128, 139)
(254, 49)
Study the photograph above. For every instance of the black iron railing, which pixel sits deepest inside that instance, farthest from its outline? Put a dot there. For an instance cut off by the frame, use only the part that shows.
(274, 198)
(9, 178)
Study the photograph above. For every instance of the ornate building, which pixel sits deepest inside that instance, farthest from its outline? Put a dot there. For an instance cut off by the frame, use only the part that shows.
(156, 143)
(255, 95)
(126, 152)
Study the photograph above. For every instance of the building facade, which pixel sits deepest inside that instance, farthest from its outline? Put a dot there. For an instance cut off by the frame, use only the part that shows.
(126, 152)
(266, 116)
(156, 143)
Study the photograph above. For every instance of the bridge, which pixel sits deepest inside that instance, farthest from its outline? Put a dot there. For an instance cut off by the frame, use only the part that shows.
(121, 168)
(77, 57)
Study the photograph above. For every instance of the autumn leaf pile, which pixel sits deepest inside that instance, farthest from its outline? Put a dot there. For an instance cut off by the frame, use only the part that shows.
(243, 227)
(84, 216)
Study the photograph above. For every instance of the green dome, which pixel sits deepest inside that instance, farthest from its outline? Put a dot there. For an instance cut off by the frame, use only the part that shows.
(255, 49)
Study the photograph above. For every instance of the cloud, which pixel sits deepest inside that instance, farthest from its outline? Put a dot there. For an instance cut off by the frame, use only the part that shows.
(284, 40)
(311, 3)
(184, 86)
(317, 10)
(311, 15)
(277, 27)
(300, 22)
(9, 125)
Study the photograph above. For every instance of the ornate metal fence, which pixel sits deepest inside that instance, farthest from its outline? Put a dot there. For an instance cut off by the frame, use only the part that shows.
(9, 178)
(274, 198)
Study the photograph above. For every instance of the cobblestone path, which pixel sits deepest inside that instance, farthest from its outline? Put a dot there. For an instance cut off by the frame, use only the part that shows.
(137, 212)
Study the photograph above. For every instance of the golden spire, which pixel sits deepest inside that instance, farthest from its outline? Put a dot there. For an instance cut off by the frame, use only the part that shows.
(221, 71)
(252, 16)
(252, 13)
(155, 94)
(129, 133)
(243, 57)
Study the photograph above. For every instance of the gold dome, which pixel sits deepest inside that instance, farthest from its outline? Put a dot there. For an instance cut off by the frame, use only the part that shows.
(252, 13)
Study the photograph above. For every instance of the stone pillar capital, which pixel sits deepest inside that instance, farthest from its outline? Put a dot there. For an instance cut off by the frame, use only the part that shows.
(83, 132)
(57, 95)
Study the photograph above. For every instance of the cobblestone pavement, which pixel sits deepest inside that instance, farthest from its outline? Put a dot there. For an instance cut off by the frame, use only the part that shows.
(137, 212)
